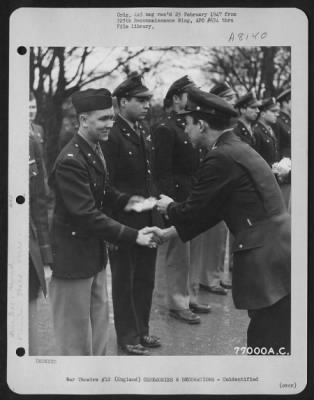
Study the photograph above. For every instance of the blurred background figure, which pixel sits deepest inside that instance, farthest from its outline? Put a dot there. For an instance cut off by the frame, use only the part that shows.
(40, 255)
(176, 162)
(225, 91)
(247, 106)
(266, 140)
(283, 131)
(36, 129)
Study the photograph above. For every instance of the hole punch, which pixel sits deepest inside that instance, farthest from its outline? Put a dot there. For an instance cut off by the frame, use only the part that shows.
(20, 351)
(20, 199)
(22, 50)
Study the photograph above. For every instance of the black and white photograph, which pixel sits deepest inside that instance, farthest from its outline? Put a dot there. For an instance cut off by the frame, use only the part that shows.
(160, 236)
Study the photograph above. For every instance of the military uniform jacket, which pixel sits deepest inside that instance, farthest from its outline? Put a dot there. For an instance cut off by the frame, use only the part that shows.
(176, 161)
(80, 225)
(283, 131)
(244, 134)
(235, 184)
(266, 143)
(39, 243)
(129, 159)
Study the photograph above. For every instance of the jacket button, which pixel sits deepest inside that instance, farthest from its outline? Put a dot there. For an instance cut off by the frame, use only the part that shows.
(148, 171)
(240, 246)
(130, 152)
(177, 186)
(73, 233)
(185, 142)
(89, 154)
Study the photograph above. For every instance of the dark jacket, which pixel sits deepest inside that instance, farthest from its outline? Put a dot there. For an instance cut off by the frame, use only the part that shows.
(244, 134)
(39, 243)
(129, 160)
(80, 225)
(266, 143)
(176, 161)
(283, 132)
(235, 184)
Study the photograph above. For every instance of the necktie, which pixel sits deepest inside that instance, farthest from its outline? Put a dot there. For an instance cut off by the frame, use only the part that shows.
(102, 158)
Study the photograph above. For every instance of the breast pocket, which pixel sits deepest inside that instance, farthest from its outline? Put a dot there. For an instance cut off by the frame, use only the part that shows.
(132, 159)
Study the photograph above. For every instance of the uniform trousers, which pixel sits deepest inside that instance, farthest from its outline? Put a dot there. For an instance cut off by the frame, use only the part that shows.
(80, 313)
(213, 245)
(182, 271)
(133, 278)
(270, 327)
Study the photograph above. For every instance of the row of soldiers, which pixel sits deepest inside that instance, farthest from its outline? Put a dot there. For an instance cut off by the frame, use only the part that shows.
(131, 162)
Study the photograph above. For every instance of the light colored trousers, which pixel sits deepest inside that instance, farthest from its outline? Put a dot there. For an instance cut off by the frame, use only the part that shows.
(80, 313)
(181, 269)
(212, 256)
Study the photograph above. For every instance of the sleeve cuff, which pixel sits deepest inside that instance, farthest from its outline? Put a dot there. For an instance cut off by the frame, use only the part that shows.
(127, 235)
(46, 254)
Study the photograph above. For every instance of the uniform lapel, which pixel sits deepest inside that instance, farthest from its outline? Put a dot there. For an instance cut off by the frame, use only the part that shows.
(89, 154)
(127, 131)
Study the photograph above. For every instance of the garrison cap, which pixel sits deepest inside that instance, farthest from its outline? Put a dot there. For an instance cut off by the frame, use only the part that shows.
(208, 103)
(268, 104)
(91, 100)
(180, 86)
(285, 95)
(133, 86)
(248, 100)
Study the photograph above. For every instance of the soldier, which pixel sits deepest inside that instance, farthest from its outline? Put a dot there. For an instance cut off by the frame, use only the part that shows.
(236, 185)
(215, 258)
(248, 110)
(36, 129)
(223, 90)
(128, 153)
(283, 132)
(266, 140)
(176, 161)
(40, 255)
(78, 288)
(283, 126)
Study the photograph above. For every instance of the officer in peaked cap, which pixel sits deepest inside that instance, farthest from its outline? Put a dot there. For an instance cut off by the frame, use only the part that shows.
(283, 125)
(264, 131)
(214, 274)
(222, 89)
(285, 95)
(235, 184)
(176, 162)
(248, 113)
(78, 288)
(133, 86)
(178, 87)
(283, 134)
(129, 154)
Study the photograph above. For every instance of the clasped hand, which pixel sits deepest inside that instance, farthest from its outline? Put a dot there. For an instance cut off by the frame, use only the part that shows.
(152, 236)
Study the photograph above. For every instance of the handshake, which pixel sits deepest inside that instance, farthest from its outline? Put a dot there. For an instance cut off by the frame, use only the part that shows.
(152, 236)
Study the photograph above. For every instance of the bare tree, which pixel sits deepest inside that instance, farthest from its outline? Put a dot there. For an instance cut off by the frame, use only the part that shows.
(266, 70)
(56, 73)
